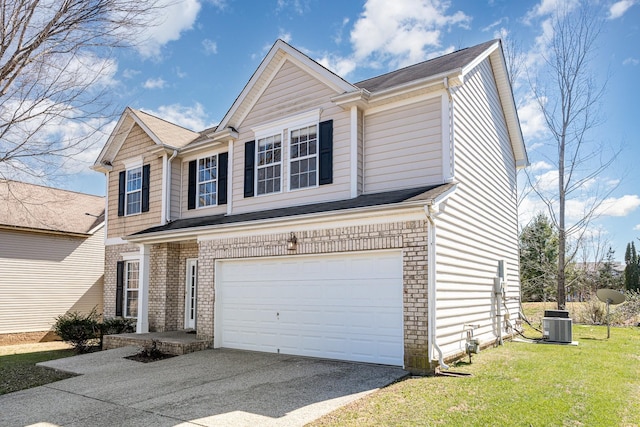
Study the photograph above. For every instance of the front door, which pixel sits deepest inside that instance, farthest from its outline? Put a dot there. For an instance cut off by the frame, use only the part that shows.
(190, 294)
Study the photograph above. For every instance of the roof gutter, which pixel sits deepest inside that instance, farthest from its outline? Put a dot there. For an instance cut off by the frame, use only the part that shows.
(431, 211)
(268, 223)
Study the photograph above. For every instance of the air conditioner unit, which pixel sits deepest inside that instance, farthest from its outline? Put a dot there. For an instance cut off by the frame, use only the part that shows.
(557, 329)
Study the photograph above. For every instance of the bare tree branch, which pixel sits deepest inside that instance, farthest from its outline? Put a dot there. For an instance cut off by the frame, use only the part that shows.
(56, 70)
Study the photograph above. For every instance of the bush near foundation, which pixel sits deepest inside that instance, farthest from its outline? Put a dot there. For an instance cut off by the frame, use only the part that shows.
(78, 329)
(84, 331)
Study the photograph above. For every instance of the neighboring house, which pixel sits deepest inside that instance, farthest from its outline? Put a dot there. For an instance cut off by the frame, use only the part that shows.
(322, 218)
(51, 257)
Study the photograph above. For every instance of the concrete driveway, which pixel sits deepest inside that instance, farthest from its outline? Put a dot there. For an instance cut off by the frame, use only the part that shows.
(206, 388)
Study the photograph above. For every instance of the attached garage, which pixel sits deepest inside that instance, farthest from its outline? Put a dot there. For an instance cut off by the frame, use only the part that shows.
(345, 306)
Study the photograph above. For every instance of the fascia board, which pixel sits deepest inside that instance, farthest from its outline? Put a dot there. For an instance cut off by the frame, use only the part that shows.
(117, 132)
(323, 217)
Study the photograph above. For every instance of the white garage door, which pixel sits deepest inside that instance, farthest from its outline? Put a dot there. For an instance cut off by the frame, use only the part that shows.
(346, 306)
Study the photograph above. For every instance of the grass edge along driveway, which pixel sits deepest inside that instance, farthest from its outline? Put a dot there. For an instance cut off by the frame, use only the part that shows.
(596, 383)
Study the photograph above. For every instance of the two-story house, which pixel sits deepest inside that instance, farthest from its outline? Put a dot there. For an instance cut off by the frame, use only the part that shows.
(361, 221)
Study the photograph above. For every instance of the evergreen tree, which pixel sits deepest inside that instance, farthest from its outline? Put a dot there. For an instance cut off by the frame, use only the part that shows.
(538, 259)
(632, 269)
(607, 276)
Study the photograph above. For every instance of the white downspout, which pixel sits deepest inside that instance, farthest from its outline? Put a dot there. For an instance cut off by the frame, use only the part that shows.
(430, 212)
(167, 217)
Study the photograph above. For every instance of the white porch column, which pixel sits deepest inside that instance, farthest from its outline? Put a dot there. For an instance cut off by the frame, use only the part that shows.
(142, 325)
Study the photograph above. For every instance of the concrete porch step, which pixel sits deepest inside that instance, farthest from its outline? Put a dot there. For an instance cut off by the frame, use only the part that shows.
(172, 342)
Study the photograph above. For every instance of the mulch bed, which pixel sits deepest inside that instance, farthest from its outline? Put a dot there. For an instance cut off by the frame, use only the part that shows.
(146, 356)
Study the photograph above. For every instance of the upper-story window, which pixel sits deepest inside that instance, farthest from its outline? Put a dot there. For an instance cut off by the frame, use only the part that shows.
(207, 181)
(269, 166)
(303, 157)
(133, 188)
(306, 161)
(134, 191)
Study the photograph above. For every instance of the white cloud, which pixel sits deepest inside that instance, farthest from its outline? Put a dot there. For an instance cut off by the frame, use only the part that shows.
(157, 83)
(338, 37)
(532, 120)
(631, 61)
(339, 65)
(620, 8)
(540, 166)
(193, 117)
(173, 19)
(129, 73)
(636, 228)
(210, 47)
(551, 7)
(285, 36)
(493, 25)
(402, 31)
(619, 206)
(298, 6)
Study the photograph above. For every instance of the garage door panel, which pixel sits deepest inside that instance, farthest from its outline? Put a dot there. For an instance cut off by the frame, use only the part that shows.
(336, 306)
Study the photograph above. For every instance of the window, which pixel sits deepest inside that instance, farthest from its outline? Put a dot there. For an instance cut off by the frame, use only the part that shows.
(269, 164)
(303, 157)
(134, 191)
(131, 282)
(207, 181)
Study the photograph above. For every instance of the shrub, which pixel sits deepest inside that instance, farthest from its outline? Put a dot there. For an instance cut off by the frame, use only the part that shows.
(116, 325)
(592, 312)
(81, 330)
(628, 313)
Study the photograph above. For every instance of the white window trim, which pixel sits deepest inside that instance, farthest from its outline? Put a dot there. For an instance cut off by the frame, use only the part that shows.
(281, 163)
(198, 181)
(191, 262)
(125, 288)
(127, 192)
(291, 160)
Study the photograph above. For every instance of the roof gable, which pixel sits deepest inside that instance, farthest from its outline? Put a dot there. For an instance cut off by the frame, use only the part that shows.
(270, 65)
(33, 207)
(161, 132)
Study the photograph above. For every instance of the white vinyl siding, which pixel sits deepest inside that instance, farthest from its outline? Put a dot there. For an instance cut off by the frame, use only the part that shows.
(403, 147)
(480, 225)
(44, 275)
(176, 171)
(291, 92)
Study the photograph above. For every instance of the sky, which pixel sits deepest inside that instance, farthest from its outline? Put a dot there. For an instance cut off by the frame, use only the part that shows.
(191, 67)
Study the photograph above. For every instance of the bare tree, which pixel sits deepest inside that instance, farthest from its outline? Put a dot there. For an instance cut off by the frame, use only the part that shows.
(569, 103)
(55, 76)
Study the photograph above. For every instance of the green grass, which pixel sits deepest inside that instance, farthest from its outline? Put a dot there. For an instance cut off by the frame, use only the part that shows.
(596, 383)
(19, 371)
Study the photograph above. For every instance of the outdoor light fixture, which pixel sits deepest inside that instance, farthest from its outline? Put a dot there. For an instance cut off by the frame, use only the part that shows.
(292, 243)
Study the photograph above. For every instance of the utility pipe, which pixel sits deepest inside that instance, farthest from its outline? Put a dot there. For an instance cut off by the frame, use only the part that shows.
(168, 189)
(430, 212)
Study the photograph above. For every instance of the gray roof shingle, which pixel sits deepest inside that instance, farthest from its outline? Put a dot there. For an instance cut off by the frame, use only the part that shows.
(365, 200)
(432, 67)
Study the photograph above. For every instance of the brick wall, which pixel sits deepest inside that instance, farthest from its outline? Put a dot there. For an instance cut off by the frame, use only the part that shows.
(411, 236)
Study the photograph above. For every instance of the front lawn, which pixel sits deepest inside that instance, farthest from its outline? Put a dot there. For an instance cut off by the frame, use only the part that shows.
(596, 383)
(19, 371)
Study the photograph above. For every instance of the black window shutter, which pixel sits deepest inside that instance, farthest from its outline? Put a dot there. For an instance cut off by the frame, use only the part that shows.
(249, 167)
(146, 177)
(119, 288)
(191, 197)
(326, 153)
(122, 190)
(223, 168)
